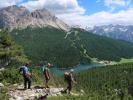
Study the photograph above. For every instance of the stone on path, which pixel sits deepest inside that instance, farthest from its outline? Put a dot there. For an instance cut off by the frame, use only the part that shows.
(35, 92)
(1, 85)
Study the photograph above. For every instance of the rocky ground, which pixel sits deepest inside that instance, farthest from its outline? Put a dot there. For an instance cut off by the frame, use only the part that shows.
(35, 93)
(17, 92)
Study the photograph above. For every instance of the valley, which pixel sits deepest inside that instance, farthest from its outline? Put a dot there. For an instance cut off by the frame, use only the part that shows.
(102, 63)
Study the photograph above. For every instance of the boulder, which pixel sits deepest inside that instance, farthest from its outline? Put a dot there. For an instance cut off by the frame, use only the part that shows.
(1, 85)
(2, 69)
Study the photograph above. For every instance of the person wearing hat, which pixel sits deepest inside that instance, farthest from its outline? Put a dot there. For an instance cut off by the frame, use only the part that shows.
(47, 74)
(68, 76)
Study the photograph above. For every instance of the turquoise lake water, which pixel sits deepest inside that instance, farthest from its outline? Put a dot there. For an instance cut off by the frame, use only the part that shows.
(77, 69)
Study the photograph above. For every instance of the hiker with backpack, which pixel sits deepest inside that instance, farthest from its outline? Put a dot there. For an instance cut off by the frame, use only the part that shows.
(68, 77)
(24, 71)
(47, 74)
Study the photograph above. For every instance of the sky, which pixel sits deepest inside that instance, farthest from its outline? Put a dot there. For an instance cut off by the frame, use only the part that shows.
(83, 13)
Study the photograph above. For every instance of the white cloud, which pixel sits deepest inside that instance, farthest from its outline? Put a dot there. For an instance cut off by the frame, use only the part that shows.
(100, 18)
(113, 4)
(56, 6)
(116, 2)
(5, 3)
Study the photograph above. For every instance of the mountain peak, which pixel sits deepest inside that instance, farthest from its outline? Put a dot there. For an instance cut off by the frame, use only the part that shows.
(14, 17)
(120, 32)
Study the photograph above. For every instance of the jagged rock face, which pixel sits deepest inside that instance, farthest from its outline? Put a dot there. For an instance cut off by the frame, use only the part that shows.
(115, 31)
(14, 17)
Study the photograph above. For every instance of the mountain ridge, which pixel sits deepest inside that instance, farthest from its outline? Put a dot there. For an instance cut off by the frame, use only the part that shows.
(14, 17)
(114, 31)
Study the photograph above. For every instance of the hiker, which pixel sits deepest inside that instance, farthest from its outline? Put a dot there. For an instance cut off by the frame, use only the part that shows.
(47, 74)
(68, 77)
(24, 70)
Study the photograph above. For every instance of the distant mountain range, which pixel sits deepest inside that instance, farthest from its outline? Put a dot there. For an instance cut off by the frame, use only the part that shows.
(14, 17)
(114, 31)
(44, 37)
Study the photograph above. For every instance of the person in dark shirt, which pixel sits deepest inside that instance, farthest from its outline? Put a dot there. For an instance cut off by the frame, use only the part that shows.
(24, 70)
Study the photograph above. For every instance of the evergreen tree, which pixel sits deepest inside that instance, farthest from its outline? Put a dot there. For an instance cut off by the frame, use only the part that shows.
(10, 52)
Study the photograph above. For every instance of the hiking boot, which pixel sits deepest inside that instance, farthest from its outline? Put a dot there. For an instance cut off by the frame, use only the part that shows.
(63, 91)
(47, 87)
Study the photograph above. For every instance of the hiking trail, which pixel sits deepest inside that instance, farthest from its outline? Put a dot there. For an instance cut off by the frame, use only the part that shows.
(16, 92)
(36, 92)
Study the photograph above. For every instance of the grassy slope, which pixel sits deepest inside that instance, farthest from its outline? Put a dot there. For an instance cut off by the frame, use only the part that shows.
(123, 60)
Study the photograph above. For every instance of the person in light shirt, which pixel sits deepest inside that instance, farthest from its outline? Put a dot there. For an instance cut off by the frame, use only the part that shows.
(47, 74)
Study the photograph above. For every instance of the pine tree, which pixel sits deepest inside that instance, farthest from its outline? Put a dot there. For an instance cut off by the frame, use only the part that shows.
(10, 52)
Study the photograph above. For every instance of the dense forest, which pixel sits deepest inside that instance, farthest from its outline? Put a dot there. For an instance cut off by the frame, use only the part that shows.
(109, 82)
(67, 49)
(50, 44)
(105, 48)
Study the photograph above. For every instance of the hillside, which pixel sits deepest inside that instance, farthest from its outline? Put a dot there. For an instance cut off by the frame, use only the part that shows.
(71, 48)
(105, 48)
(110, 82)
(49, 44)
(105, 83)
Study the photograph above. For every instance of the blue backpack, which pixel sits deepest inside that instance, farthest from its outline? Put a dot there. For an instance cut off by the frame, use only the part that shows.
(21, 70)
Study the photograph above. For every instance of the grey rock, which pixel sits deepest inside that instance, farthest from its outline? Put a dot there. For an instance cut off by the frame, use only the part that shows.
(1, 85)
(2, 69)
(114, 31)
(14, 17)
(19, 94)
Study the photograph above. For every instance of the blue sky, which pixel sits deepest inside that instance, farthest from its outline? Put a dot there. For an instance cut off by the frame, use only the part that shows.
(93, 6)
(84, 13)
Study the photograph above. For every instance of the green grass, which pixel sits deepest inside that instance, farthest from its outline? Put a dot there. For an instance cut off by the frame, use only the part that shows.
(123, 60)
(68, 97)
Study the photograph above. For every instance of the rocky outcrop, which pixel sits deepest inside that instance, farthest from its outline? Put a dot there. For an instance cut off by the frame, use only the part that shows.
(32, 94)
(14, 17)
